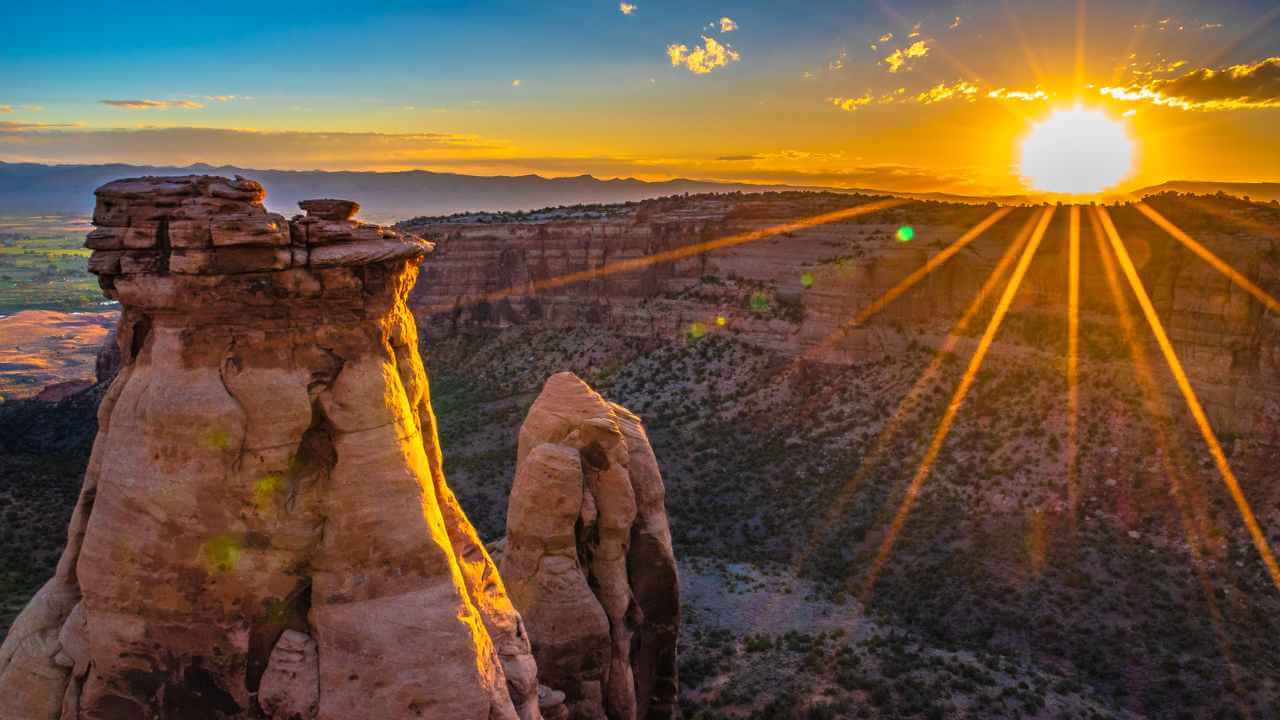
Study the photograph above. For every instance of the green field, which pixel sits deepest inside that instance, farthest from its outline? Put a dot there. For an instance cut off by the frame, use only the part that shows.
(42, 265)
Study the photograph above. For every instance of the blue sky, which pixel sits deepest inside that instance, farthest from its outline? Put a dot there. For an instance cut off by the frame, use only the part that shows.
(800, 86)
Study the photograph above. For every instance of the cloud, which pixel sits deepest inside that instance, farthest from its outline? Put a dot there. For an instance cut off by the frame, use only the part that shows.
(851, 104)
(899, 58)
(626, 8)
(838, 62)
(153, 104)
(954, 23)
(942, 92)
(915, 31)
(59, 143)
(6, 108)
(1023, 95)
(702, 59)
(10, 126)
(727, 25)
(959, 90)
(1238, 87)
(515, 83)
(887, 37)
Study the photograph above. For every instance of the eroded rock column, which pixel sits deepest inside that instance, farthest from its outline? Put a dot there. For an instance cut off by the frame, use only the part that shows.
(264, 529)
(588, 559)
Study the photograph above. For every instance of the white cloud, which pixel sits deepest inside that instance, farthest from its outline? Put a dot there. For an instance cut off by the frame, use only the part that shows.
(702, 59)
(727, 25)
(626, 8)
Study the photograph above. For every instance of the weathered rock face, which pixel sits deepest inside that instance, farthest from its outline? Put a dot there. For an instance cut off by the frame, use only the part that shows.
(264, 528)
(588, 558)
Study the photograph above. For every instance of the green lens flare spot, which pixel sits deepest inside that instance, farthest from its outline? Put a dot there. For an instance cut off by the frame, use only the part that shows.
(906, 233)
(264, 490)
(806, 280)
(221, 553)
(696, 330)
(218, 439)
(759, 302)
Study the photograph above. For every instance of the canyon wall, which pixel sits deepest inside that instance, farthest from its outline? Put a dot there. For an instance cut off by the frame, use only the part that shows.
(795, 292)
(264, 529)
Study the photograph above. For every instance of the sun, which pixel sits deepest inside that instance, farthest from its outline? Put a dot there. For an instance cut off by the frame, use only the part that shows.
(1076, 151)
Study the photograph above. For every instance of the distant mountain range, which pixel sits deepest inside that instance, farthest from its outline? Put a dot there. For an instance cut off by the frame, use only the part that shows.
(31, 188)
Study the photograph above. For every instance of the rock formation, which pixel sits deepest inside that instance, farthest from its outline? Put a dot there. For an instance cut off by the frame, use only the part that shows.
(264, 528)
(587, 558)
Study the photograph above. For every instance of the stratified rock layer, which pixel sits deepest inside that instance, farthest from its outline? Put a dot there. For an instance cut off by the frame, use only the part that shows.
(588, 558)
(264, 528)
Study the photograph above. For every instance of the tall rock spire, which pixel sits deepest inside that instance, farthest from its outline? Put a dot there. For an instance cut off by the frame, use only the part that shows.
(264, 528)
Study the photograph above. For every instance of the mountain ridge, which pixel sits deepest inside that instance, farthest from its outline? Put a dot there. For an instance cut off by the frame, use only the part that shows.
(39, 188)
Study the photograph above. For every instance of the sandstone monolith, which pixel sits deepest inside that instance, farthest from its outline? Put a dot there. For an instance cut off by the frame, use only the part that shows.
(264, 528)
(588, 559)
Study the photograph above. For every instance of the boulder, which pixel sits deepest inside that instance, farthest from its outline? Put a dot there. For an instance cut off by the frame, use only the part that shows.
(587, 558)
(330, 209)
(264, 528)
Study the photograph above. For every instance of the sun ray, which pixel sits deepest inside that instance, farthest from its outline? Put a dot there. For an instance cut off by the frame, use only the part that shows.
(911, 400)
(905, 284)
(957, 400)
(1033, 63)
(1078, 74)
(1193, 403)
(1073, 360)
(667, 256)
(1205, 254)
(1194, 525)
(1253, 226)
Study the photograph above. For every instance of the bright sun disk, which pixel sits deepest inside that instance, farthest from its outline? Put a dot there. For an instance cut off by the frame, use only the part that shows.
(1077, 151)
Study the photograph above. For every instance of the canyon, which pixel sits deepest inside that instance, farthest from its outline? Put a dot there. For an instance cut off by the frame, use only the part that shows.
(785, 434)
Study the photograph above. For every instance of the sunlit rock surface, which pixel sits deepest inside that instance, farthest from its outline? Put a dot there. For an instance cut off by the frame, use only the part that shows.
(264, 529)
(588, 558)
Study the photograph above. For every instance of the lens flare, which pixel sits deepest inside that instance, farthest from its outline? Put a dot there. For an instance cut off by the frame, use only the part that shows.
(1077, 151)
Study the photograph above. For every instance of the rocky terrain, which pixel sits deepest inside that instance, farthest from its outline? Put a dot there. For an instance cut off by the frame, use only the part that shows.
(785, 454)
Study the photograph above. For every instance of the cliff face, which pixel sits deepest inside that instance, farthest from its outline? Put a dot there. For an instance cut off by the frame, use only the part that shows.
(795, 292)
(264, 528)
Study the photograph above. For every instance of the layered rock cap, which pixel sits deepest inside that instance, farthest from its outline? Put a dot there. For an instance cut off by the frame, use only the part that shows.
(264, 529)
(587, 559)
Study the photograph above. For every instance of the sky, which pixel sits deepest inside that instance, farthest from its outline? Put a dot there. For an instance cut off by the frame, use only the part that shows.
(921, 96)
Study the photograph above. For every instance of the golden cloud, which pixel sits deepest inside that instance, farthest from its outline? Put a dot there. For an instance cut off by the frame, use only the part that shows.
(727, 25)
(850, 104)
(898, 58)
(153, 104)
(626, 8)
(6, 108)
(14, 127)
(959, 90)
(1238, 87)
(702, 59)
